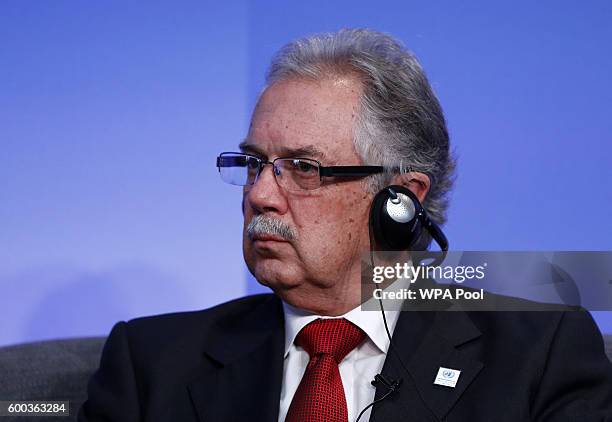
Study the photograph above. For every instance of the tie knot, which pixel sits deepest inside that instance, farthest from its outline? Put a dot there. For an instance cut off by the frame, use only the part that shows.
(336, 337)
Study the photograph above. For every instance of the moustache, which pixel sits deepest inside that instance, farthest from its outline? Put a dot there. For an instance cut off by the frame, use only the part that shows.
(263, 224)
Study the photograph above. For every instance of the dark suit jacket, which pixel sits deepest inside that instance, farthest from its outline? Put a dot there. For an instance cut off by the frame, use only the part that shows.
(226, 364)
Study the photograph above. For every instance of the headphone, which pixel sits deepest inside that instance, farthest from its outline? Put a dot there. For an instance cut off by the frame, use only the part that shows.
(397, 220)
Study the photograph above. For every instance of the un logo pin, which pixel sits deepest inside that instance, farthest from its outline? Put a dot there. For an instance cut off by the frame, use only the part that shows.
(447, 377)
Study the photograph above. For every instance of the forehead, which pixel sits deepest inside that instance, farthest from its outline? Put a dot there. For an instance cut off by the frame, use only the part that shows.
(299, 115)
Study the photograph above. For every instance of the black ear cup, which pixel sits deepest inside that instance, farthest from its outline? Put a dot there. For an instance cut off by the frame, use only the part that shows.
(397, 220)
(394, 220)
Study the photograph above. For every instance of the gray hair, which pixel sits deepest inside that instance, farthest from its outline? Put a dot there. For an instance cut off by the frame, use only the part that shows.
(400, 124)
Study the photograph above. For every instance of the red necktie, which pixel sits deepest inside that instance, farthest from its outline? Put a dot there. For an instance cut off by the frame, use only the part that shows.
(320, 396)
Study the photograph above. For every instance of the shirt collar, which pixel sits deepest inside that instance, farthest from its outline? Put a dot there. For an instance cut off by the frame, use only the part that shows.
(371, 322)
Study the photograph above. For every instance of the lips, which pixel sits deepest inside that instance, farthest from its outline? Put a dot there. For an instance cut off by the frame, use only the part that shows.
(268, 237)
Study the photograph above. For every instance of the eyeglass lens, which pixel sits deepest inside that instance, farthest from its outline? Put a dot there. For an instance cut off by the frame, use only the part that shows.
(290, 173)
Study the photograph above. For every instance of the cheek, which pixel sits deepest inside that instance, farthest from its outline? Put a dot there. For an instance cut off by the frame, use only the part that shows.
(334, 226)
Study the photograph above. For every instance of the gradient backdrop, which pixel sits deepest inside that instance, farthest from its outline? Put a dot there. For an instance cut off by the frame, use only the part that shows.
(112, 113)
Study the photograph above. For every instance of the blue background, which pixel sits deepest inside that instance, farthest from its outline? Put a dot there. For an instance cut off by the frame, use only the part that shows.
(111, 115)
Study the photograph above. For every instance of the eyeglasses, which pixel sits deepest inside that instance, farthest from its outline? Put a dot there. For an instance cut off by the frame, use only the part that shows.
(293, 174)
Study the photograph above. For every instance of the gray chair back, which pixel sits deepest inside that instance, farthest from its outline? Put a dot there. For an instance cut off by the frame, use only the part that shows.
(49, 370)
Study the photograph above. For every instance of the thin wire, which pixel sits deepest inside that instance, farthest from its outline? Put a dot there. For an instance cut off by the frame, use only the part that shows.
(387, 394)
(382, 310)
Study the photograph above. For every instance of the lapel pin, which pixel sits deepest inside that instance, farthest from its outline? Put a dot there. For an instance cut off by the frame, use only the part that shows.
(447, 377)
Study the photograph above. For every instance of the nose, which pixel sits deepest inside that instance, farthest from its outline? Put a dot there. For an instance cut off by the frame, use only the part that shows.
(265, 195)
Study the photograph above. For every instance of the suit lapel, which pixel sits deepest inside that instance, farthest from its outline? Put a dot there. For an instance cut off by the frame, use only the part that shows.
(244, 382)
(426, 341)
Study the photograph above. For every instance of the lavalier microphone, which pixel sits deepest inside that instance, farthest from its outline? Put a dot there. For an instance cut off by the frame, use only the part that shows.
(380, 380)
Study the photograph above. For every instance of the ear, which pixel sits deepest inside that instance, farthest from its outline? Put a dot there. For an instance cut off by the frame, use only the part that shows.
(418, 183)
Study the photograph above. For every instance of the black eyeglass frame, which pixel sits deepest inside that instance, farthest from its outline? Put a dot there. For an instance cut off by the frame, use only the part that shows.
(324, 171)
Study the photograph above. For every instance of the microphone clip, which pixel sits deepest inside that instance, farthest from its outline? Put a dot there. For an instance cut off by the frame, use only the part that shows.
(392, 385)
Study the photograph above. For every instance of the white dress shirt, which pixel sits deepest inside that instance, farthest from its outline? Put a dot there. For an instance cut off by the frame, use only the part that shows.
(358, 368)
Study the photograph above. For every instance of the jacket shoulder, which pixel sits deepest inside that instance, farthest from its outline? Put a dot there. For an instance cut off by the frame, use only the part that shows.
(181, 332)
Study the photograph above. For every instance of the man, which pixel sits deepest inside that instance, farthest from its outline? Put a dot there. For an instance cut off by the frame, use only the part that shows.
(307, 353)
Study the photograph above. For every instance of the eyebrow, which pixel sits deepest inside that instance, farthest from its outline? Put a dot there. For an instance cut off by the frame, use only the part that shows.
(304, 151)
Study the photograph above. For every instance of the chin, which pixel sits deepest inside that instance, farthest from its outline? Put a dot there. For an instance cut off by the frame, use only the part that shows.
(275, 274)
(277, 282)
(273, 270)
